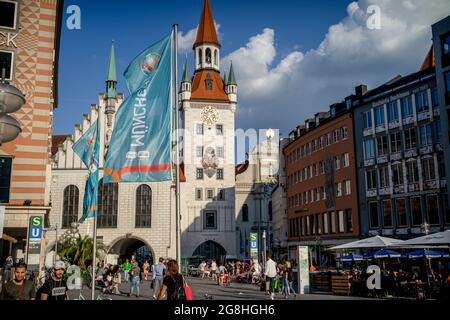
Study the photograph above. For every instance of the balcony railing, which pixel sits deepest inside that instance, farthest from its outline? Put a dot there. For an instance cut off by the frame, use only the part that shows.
(410, 153)
(412, 187)
(396, 156)
(424, 115)
(432, 184)
(369, 162)
(371, 193)
(382, 159)
(385, 191)
(426, 149)
(394, 124)
(408, 120)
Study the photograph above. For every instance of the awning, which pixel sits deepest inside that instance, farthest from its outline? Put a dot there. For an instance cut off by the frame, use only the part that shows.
(374, 242)
(439, 238)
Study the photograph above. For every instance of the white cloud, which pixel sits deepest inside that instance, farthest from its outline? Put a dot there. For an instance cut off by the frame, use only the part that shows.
(303, 83)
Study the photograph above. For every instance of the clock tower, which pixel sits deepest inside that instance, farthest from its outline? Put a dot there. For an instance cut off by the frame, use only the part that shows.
(208, 105)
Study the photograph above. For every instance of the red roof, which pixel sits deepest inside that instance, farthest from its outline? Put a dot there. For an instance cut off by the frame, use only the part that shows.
(429, 60)
(206, 32)
(200, 91)
(56, 141)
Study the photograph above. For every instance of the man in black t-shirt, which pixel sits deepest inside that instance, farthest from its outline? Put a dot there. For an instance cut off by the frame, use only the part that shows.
(55, 289)
(19, 288)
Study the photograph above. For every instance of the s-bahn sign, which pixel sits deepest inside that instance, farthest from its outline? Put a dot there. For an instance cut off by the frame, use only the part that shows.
(34, 243)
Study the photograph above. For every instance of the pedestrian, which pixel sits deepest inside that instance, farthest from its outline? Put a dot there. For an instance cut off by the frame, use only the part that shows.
(158, 271)
(126, 266)
(214, 270)
(145, 269)
(117, 280)
(55, 288)
(173, 284)
(135, 279)
(270, 273)
(290, 278)
(19, 288)
(222, 275)
(8, 269)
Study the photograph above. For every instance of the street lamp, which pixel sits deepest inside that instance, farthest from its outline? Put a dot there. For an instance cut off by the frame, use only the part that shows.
(11, 100)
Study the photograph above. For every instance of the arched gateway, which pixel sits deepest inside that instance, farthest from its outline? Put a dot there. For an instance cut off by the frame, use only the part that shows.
(210, 250)
(128, 248)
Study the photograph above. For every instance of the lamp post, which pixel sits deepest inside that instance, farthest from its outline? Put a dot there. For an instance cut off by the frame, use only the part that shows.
(11, 100)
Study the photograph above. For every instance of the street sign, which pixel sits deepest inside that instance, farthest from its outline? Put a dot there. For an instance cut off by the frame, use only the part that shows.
(34, 243)
(253, 245)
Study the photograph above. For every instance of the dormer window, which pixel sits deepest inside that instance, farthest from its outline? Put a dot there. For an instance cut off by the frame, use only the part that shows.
(208, 56)
(209, 82)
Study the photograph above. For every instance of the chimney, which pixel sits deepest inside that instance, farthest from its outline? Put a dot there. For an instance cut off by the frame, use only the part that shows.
(360, 90)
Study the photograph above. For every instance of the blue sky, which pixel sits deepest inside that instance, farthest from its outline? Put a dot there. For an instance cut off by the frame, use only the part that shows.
(299, 25)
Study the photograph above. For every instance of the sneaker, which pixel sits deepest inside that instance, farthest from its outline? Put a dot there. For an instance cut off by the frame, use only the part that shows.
(154, 297)
(272, 296)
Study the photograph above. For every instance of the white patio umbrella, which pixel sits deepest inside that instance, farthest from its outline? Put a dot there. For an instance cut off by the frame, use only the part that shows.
(439, 238)
(373, 242)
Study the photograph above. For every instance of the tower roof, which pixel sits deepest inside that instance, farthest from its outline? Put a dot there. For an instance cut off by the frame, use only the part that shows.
(186, 77)
(231, 77)
(224, 77)
(206, 32)
(112, 65)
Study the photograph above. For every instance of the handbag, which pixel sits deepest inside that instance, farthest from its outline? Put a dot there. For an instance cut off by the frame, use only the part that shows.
(188, 291)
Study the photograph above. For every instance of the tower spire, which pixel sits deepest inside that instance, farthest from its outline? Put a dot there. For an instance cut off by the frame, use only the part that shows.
(186, 77)
(206, 33)
(111, 79)
(231, 77)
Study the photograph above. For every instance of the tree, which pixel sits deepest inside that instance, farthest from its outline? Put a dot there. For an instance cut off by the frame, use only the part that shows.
(78, 251)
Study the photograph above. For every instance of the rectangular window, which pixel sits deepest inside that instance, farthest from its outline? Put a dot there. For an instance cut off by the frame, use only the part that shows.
(322, 167)
(348, 187)
(219, 129)
(400, 204)
(326, 226)
(7, 59)
(382, 146)
(199, 174)
(210, 220)
(5, 179)
(446, 208)
(308, 226)
(199, 128)
(369, 149)
(337, 163)
(433, 209)
(397, 174)
(344, 133)
(447, 87)
(198, 194)
(396, 142)
(348, 221)
(425, 135)
(210, 194)
(322, 193)
(321, 142)
(410, 139)
(220, 153)
(422, 104)
(413, 171)
(339, 189)
(379, 116)
(407, 109)
(429, 173)
(199, 152)
(333, 222)
(371, 179)
(438, 128)
(346, 160)
(8, 18)
(367, 118)
(328, 139)
(434, 97)
(416, 211)
(441, 164)
(341, 222)
(318, 194)
(373, 212)
(384, 177)
(387, 213)
(303, 226)
(219, 174)
(335, 136)
(392, 111)
(314, 167)
(319, 223)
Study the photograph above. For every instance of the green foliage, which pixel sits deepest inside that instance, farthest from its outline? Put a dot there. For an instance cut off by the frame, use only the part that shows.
(79, 251)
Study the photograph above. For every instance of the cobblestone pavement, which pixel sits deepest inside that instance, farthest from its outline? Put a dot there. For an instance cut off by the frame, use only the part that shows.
(208, 289)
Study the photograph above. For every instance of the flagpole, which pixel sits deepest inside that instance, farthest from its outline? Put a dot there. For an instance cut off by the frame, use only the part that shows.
(177, 148)
(94, 246)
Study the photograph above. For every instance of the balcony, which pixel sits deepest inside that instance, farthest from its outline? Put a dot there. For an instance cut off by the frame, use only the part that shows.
(368, 132)
(385, 191)
(424, 115)
(370, 162)
(432, 184)
(380, 128)
(426, 149)
(408, 120)
(399, 189)
(413, 187)
(371, 193)
(396, 156)
(382, 159)
(394, 124)
(411, 153)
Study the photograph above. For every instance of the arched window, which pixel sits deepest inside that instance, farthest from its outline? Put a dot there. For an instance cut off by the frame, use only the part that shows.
(200, 56)
(108, 199)
(70, 206)
(208, 55)
(215, 57)
(143, 207)
(245, 213)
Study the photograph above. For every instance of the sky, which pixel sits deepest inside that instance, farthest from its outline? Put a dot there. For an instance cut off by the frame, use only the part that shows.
(291, 58)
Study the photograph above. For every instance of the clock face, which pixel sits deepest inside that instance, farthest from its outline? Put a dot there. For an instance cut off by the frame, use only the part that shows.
(210, 116)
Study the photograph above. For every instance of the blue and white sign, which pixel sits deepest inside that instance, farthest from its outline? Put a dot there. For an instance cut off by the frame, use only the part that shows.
(35, 233)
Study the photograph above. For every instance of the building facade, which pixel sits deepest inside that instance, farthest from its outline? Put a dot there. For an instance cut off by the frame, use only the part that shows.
(399, 156)
(441, 47)
(208, 106)
(29, 50)
(321, 183)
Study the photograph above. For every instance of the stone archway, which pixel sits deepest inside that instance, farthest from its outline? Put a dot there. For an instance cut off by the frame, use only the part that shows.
(131, 247)
(211, 250)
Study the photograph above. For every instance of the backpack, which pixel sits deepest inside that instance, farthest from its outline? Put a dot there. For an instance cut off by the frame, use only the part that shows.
(178, 293)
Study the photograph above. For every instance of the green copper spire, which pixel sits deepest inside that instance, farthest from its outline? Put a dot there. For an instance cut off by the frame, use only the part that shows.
(224, 77)
(231, 78)
(186, 77)
(111, 81)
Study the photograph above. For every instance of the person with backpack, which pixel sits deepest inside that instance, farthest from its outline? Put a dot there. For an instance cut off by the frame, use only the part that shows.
(135, 279)
(173, 284)
(55, 288)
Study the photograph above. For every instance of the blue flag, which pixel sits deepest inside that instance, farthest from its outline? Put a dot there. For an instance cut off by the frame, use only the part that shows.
(88, 149)
(140, 149)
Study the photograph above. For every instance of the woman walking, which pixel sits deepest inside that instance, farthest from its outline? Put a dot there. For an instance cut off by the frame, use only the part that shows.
(145, 269)
(135, 279)
(173, 284)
